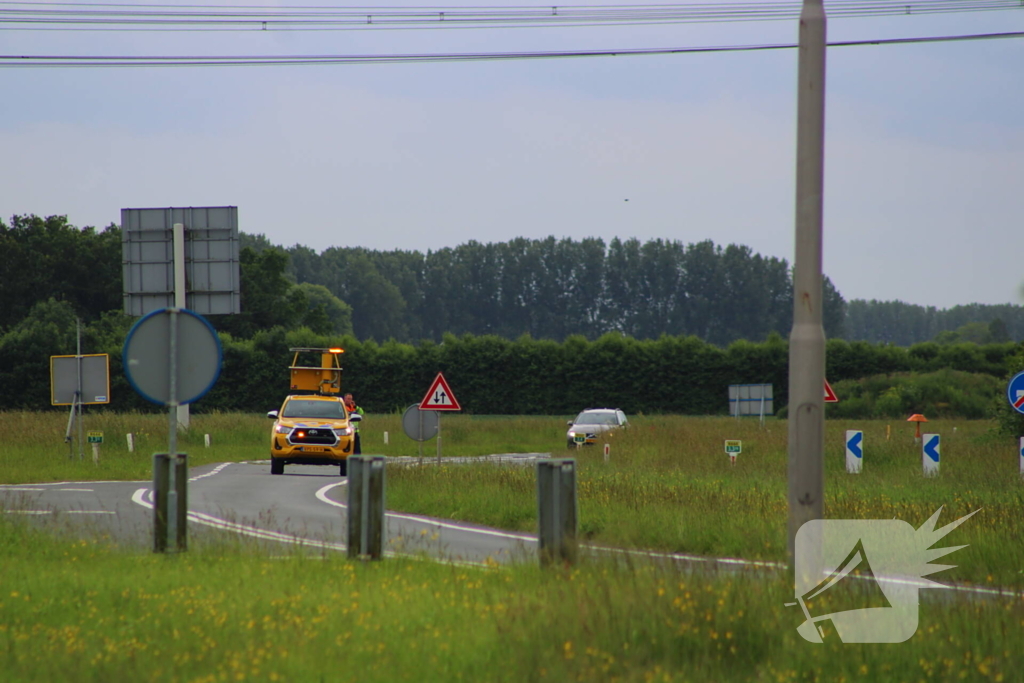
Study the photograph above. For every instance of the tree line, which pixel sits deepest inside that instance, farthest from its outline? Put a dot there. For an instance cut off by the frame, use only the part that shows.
(547, 289)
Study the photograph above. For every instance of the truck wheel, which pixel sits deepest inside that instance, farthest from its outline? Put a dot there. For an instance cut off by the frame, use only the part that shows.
(276, 466)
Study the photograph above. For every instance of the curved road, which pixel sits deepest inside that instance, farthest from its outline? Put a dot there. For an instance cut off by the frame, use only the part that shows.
(304, 506)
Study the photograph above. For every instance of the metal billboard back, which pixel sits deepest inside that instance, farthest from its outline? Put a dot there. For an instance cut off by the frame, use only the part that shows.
(751, 399)
(95, 379)
(213, 282)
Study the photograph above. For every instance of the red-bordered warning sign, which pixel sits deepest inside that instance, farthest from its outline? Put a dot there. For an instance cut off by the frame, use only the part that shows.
(440, 396)
(830, 396)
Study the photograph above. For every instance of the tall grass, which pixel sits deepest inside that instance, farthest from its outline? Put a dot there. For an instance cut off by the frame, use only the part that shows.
(667, 484)
(79, 610)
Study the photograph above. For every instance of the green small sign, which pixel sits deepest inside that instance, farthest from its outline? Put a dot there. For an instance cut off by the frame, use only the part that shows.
(733, 446)
(95, 437)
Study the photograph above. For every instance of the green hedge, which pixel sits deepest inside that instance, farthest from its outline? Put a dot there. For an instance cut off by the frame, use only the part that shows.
(493, 375)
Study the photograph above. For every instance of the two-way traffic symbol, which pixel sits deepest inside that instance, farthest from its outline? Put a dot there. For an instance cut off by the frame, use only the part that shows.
(439, 396)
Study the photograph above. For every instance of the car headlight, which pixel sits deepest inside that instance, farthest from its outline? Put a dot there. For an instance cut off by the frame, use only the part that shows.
(281, 429)
(343, 431)
(571, 433)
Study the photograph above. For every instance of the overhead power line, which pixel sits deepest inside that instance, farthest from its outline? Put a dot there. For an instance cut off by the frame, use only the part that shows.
(64, 61)
(64, 16)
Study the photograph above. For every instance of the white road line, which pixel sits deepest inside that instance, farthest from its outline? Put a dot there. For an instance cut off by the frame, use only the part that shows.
(322, 495)
(142, 497)
(63, 512)
(215, 470)
(8, 487)
(19, 488)
(86, 490)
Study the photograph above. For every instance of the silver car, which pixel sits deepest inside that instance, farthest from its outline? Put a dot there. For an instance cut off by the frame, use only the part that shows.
(590, 423)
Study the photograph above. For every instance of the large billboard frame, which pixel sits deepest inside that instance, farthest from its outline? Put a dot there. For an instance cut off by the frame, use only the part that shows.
(212, 256)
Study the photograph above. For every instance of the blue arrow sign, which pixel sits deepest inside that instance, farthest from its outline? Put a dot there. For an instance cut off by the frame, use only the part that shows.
(854, 444)
(1015, 392)
(931, 448)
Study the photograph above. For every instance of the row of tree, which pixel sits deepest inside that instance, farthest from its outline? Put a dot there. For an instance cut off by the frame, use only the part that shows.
(903, 324)
(552, 289)
(489, 374)
(548, 289)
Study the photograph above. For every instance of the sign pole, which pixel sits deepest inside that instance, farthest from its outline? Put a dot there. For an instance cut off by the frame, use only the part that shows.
(180, 302)
(172, 437)
(78, 393)
(439, 439)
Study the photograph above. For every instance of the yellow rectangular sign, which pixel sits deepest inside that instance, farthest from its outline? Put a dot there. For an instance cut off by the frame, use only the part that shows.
(733, 446)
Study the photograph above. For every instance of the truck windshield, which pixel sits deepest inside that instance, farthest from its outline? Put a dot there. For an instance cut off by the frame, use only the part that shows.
(324, 410)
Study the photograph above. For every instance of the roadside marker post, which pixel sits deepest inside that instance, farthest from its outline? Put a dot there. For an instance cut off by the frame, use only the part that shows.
(607, 451)
(385, 438)
(930, 454)
(557, 514)
(95, 439)
(366, 486)
(733, 447)
(130, 438)
(854, 451)
(1021, 452)
(206, 440)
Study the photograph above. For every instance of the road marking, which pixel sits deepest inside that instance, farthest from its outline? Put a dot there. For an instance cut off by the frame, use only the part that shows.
(143, 497)
(74, 483)
(215, 470)
(322, 495)
(63, 512)
(86, 490)
(18, 488)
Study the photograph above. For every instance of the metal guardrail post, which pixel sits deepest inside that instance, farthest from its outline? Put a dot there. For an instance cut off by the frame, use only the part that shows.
(161, 485)
(556, 510)
(366, 486)
(181, 511)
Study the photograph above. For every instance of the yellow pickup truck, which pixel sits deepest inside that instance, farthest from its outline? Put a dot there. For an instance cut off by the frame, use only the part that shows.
(313, 428)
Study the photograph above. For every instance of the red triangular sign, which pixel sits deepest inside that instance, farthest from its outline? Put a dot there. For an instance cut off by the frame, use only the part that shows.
(440, 396)
(830, 396)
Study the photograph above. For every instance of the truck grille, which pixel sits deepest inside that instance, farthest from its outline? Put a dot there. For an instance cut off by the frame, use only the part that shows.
(321, 436)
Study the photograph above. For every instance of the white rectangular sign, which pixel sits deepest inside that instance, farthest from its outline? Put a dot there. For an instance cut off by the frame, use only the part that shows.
(930, 454)
(854, 451)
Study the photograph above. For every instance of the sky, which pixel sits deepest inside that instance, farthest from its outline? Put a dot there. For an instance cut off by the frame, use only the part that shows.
(924, 150)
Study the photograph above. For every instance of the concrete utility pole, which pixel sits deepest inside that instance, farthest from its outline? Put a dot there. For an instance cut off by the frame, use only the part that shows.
(807, 339)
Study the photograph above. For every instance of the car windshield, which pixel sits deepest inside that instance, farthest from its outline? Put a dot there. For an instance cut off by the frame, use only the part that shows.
(597, 419)
(324, 410)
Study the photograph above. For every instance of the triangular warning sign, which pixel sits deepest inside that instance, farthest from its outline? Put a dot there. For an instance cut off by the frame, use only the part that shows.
(830, 396)
(440, 396)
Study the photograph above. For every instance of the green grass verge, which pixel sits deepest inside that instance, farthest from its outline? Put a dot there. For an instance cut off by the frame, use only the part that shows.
(667, 485)
(83, 611)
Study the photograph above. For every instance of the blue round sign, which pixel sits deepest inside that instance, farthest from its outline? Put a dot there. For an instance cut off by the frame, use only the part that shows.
(1015, 392)
(147, 355)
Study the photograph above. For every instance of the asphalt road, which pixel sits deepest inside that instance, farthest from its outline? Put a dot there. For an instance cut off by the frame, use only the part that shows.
(305, 505)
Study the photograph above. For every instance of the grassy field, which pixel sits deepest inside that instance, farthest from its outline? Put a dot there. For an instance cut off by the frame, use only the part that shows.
(232, 610)
(666, 486)
(78, 610)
